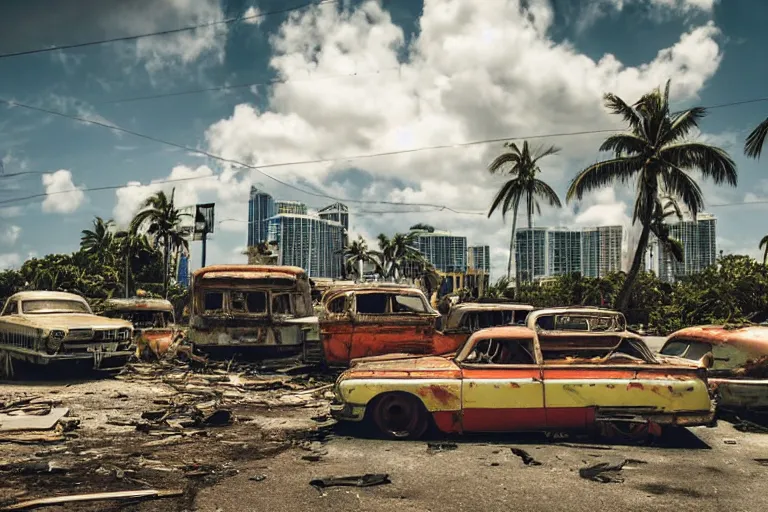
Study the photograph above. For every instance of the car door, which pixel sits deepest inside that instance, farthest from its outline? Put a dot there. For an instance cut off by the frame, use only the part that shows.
(336, 328)
(508, 396)
(382, 326)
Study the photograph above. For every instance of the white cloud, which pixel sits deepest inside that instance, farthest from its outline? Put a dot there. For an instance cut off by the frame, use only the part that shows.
(64, 196)
(662, 9)
(254, 16)
(10, 235)
(179, 49)
(9, 260)
(457, 82)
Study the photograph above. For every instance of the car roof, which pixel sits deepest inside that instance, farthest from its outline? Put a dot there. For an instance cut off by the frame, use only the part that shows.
(755, 336)
(478, 306)
(138, 303)
(46, 295)
(503, 331)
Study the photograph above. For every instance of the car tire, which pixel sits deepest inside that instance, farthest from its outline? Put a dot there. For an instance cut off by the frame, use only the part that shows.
(399, 416)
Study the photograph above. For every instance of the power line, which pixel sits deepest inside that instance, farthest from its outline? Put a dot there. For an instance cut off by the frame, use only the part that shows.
(237, 86)
(304, 162)
(225, 21)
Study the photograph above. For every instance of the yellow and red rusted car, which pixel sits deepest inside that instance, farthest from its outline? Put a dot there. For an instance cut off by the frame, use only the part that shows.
(736, 359)
(567, 369)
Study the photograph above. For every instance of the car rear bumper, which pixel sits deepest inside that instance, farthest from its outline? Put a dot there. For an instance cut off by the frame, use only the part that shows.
(679, 418)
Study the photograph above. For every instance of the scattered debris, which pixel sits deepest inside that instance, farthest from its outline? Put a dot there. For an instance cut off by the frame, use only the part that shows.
(440, 447)
(603, 472)
(102, 496)
(527, 459)
(729, 441)
(14, 423)
(34, 468)
(367, 480)
(749, 426)
(584, 446)
(258, 478)
(312, 457)
(762, 462)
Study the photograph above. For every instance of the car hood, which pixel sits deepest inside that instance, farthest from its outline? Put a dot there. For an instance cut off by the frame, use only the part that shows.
(401, 363)
(67, 321)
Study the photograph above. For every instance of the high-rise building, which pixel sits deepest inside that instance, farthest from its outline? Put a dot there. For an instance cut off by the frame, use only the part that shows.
(601, 250)
(337, 212)
(307, 241)
(446, 252)
(563, 252)
(531, 253)
(699, 248)
(261, 207)
(479, 258)
(290, 207)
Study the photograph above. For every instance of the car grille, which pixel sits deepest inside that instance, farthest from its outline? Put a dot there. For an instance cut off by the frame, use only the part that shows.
(80, 334)
(112, 335)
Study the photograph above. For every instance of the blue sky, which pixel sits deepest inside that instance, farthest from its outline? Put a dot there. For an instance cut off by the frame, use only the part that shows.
(356, 78)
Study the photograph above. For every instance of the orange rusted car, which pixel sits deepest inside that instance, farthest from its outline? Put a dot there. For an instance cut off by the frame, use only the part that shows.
(542, 376)
(736, 359)
(364, 320)
(154, 323)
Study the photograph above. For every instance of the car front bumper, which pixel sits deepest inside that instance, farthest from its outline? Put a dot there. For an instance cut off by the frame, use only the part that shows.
(347, 412)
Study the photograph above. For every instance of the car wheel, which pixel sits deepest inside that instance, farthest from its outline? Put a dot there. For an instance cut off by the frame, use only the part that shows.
(399, 416)
(629, 432)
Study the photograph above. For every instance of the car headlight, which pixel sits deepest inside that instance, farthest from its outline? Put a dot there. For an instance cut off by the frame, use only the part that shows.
(54, 341)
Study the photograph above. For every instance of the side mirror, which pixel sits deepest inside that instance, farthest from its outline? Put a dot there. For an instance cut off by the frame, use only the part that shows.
(707, 360)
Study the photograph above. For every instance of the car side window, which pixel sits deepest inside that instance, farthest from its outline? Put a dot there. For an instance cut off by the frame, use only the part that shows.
(214, 301)
(502, 351)
(372, 303)
(693, 350)
(408, 304)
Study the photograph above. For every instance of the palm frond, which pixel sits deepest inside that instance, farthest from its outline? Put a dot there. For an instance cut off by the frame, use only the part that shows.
(543, 152)
(684, 123)
(505, 162)
(755, 140)
(624, 144)
(545, 192)
(683, 186)
(711, 161)
(763, 242)
(601, 174)
(618, 106)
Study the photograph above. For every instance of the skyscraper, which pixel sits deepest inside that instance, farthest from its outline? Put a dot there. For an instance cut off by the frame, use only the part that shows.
(531, 253)
(563, 252)
(307, 241)
(337, 212)
(261, 207)
(601, 250)
(448, 253)
(480, 258)
(699, 247)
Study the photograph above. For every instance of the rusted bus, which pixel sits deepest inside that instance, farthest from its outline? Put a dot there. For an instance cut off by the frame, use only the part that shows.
(366, 320)
(263, 309)
(154, 323)
(736, 359)
(506, 379)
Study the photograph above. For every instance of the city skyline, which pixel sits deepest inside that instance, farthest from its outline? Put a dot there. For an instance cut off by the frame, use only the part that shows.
(699, 240)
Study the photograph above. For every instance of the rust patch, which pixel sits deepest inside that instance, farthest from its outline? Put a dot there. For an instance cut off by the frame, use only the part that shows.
(514, 385)
(635, 385)
(441, 394)
(610, 386)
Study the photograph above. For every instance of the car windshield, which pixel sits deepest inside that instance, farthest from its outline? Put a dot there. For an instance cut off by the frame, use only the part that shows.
(53, 306)
(145, 319)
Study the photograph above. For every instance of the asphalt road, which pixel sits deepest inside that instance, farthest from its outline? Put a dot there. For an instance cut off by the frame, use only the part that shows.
(694, 470)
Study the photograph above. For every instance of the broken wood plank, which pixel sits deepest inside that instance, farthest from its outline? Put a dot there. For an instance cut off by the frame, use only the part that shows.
(32, 422)
(99, 496)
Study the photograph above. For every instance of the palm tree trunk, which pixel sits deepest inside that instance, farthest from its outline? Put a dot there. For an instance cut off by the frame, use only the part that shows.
(512, 245)
(127, 263)
(622, 300)
(531, 265)
(166, 263)
(765, 256)
(360, 270)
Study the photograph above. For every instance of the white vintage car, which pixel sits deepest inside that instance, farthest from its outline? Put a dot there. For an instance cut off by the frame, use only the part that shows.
(49, 327)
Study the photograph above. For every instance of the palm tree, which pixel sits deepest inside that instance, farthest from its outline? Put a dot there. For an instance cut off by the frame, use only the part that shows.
(667, 206)
(99, 239)
(657, 154)
(355, 255)
(162, 221)
(522, 166)
(261, 254)
(128, 245)
(394, 253)
(764, 244)
(755, 140)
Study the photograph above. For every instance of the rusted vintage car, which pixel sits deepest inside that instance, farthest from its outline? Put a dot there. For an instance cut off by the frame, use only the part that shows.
(153, 320)
(467, 317)
(524, 378)
(53, 327)
(736, 359)
(260, 310)
(365, 320)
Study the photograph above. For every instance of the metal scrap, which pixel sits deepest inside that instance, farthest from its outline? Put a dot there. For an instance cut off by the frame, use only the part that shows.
(367, 480)
(527, 459)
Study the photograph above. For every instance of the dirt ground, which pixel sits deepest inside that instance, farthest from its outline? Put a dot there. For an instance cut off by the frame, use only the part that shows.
(280, 441)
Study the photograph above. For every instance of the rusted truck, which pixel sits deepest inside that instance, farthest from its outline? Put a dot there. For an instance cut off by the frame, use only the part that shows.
(56, 328)
(254, 310)
(363, 320)
(154, 323)
(546, 375)
(736, 359)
